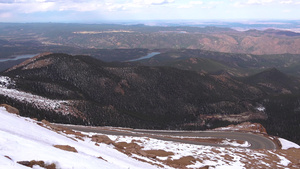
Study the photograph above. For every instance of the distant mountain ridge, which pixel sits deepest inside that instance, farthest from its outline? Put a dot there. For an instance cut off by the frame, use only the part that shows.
(281, 32)
(88, 38)
(236, 64)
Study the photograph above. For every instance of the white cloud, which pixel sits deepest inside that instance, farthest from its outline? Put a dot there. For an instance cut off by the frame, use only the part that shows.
(286, 2)
(117, 7)
(184, 6)
(134, 4)
(297, 2)
(238, 4)
(287, 11)
(81, 6)
(27, 7)
(152, 2)
(259, 2)
(144, 8)
(196, 2)
(252, 2)
(5, 15)
(32, 6)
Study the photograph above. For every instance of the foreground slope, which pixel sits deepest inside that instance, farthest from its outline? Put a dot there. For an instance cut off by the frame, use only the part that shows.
(22, 139)
(26, 142)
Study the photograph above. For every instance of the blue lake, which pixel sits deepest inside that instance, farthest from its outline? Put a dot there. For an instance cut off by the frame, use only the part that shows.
(17, 57)
(145, 57)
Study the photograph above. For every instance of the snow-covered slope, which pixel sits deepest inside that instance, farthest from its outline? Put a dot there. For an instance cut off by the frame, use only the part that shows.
(59, 106)
(21, 139)
(24, 139)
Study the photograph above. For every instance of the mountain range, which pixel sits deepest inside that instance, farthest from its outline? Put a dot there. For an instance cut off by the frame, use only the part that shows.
(31, 38)
(84, 90)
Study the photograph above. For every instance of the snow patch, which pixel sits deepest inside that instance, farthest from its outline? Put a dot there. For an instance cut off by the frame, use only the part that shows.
(180, 150)
(283, 160)
(59, 106)
(261, 108)
(286, 144)
(6, 81)
(234, 143)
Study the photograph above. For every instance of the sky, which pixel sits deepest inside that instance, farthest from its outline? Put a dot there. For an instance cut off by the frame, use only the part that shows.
(126, 10)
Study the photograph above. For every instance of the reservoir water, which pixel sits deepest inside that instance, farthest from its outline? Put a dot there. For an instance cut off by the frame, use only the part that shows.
(17, 57)
(145, 57)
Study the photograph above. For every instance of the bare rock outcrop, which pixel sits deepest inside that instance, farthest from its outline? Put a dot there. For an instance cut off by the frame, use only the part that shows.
(246, 126)
(66, 148)
(10, 109)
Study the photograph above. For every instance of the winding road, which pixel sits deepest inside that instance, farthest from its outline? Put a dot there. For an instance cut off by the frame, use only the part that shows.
(257, 141)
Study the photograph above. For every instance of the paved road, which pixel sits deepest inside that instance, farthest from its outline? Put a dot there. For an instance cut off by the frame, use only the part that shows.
(256, 141)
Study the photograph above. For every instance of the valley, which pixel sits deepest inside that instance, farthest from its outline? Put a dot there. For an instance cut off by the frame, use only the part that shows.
(156, 96)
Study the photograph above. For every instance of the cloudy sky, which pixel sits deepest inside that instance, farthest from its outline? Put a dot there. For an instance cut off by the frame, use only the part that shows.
(124, 10)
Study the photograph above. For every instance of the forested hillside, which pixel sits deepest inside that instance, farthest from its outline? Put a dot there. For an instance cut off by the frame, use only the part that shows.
(121, 94)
